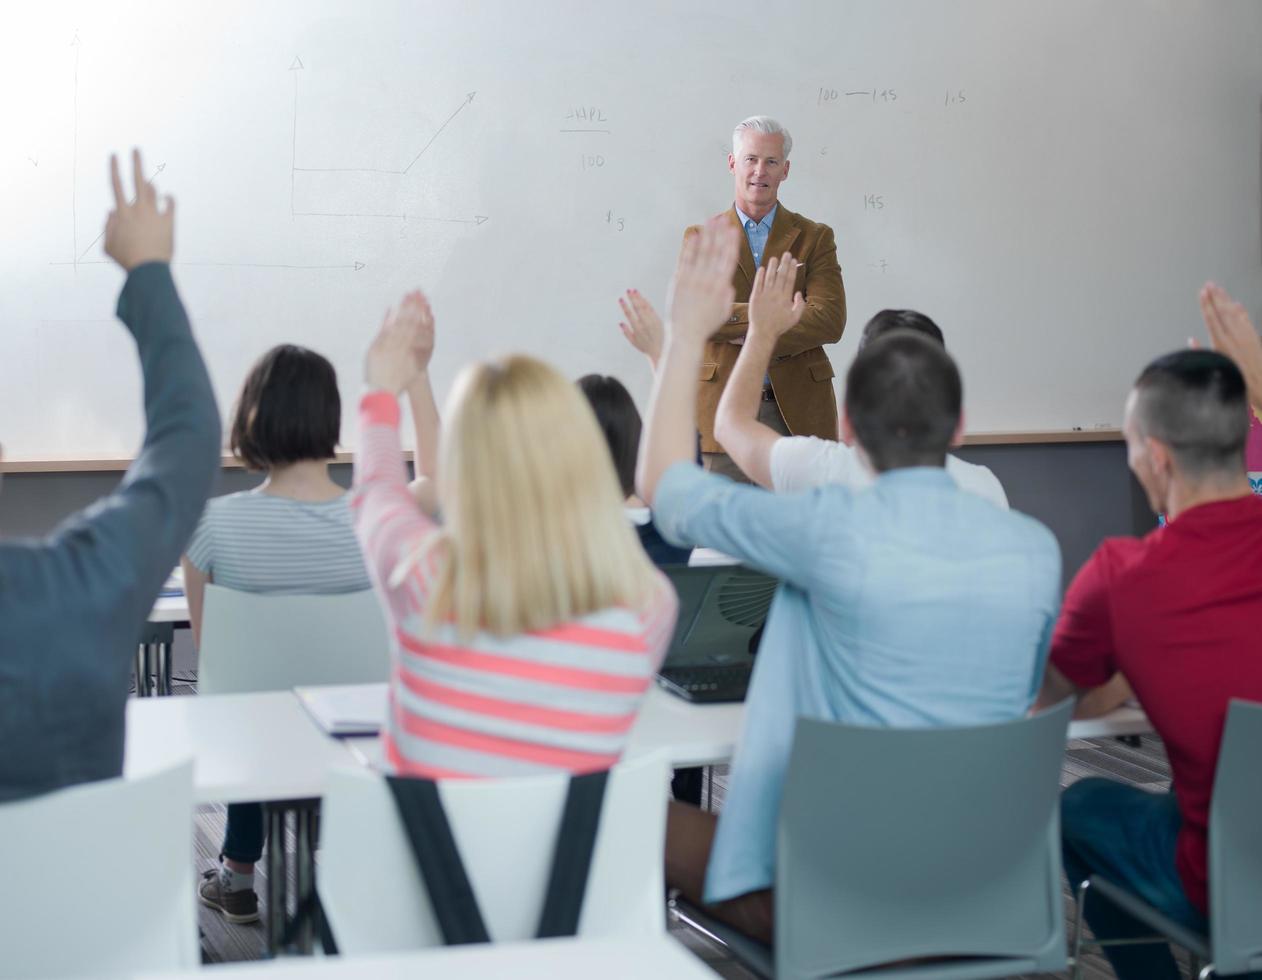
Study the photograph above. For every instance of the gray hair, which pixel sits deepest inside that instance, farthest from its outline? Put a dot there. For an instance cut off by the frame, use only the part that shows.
(762, 124)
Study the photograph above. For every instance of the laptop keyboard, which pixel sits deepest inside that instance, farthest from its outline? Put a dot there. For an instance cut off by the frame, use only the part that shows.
(712, 683)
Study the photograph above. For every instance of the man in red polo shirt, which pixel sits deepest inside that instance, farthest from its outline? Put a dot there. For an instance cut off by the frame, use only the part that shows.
(1178, 613)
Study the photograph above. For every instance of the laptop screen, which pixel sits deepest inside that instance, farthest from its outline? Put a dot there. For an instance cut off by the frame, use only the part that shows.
(721, 608)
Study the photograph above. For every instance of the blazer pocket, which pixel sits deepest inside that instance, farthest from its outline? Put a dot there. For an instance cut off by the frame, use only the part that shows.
(708, 371)
(822, 372)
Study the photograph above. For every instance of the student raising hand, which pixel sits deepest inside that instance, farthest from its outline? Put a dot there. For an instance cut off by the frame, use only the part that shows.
(1231, 332)
(701, 293)
(642, 327)
(137, 232)
(774, 307)
(700, 298)
(403, 345)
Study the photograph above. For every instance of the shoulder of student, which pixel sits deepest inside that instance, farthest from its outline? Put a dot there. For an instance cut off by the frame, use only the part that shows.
(804, 462)
(977, 479)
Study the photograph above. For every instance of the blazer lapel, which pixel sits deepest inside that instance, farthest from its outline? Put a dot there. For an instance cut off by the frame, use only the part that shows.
(746, 263)
(784, 232)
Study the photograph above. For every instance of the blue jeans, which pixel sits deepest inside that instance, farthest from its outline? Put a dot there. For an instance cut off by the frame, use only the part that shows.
(1127, 835)
(243, 836)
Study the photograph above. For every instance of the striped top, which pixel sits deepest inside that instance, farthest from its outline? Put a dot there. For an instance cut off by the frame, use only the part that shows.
(258, 542)
(563, 698)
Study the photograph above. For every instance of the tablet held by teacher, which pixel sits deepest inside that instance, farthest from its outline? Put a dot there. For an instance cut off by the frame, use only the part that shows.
(798, 397)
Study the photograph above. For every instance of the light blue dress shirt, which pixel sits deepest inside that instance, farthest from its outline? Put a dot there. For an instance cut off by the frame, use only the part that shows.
(757, 232)
(907, 604)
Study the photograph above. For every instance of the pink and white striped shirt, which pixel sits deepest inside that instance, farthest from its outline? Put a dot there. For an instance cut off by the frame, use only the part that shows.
(563, 698)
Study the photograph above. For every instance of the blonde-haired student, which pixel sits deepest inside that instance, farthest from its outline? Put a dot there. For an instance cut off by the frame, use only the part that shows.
(529, 625)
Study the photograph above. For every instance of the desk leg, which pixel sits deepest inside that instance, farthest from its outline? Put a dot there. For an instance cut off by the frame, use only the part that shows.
(139, 669)
(163, 654)
(279, 914)
(304, 873)
(144, 670)
(277, 880)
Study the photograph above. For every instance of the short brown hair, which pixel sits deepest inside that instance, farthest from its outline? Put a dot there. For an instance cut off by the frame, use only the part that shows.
(903, 399)
(288, 410)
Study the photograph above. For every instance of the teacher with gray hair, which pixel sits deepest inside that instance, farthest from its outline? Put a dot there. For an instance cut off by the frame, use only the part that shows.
(798, 397)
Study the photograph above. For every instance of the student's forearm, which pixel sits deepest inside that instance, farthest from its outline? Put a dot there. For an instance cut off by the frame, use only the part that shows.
(426, 424)
(746, 440)
(387, 521)
(1056, 687)
(670, 429)
(194, 594)
(1109, 696)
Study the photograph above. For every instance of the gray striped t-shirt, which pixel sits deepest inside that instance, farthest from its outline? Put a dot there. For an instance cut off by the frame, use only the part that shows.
(258, 542)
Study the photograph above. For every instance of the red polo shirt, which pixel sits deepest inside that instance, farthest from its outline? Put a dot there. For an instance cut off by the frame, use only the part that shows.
(1179, 613)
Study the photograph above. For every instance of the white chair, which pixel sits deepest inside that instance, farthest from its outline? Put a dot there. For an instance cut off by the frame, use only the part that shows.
(373, 895)
(100, 879)
(253, 642)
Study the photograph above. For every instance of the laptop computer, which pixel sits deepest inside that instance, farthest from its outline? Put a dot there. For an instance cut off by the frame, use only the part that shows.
(721, 612)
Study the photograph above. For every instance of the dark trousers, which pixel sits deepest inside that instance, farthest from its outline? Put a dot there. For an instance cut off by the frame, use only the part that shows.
(1127, 835)
(244, 835)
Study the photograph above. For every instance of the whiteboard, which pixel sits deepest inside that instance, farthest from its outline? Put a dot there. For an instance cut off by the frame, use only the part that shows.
(1051, 181)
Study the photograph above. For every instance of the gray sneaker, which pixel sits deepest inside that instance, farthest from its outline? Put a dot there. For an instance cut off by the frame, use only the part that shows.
(239, 907)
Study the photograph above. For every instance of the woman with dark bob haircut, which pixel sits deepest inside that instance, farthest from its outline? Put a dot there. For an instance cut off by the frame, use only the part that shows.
(619, 420)
(291, 535)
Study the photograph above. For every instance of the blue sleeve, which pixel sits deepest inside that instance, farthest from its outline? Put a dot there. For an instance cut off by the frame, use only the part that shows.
(115, 554)
(779, 534)
(1051, 600)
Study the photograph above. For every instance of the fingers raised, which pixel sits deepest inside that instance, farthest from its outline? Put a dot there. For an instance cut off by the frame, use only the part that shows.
(120, 196)
(144, 190)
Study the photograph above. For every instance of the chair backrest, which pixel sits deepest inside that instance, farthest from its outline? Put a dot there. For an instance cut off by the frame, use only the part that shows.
(253, 642)
(100, 879)
(1235, 844)
(897, 843)
(505, 830)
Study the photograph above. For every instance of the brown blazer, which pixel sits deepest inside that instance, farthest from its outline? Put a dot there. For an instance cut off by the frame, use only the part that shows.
(801, 374)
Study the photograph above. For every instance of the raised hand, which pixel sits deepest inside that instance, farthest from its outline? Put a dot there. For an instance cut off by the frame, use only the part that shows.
(1231, 332)
(701, 293)
(774, 307)
(136, 233)
(403, 345)
(642, 327)
(417, 316)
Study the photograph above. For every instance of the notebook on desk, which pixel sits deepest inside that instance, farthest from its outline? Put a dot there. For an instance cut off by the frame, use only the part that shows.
(721, 612)
(346, 709)
(174, 585)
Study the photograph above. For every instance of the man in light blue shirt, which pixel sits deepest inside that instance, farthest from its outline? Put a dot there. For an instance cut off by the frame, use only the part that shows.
(908, 604)
(757, 232)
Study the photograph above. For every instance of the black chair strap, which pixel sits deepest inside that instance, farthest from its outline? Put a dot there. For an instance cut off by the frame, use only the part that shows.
(572, 857)
(442, 870)
(428, 831)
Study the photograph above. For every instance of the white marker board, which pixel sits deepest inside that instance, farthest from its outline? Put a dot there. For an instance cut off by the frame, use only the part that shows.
(1051, 181)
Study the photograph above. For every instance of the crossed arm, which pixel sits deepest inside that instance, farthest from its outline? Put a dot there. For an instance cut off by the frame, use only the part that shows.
(823, 317)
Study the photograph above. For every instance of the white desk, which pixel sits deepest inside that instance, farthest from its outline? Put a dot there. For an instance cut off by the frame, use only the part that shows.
(266, 748)
(686, 734)
(1126, 720)
(246, 748)
(154, 651)
(689, 734)
(548, 959)
(170, 609)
